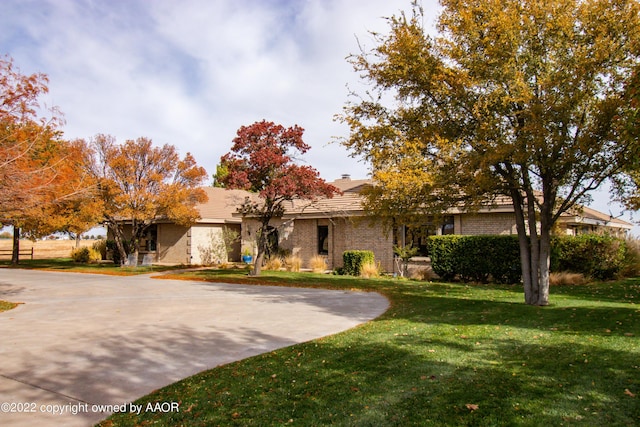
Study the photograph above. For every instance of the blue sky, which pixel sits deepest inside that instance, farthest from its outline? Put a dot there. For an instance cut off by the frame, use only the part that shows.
(191, 72)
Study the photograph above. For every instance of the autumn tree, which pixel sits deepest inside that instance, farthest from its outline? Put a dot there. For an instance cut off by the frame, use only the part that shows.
(74, 209)
(139, 184)
(36, 165)
(519, 98)
(262, 161)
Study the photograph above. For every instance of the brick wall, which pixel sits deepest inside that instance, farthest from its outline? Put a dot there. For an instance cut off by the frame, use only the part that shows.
(487, 223)
(352, 234)
(300, 237)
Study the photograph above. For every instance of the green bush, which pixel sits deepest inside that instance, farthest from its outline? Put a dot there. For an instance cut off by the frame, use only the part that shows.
(85, 255)
(476, 258)
(354, 260)
(100, 246)
(602, 257)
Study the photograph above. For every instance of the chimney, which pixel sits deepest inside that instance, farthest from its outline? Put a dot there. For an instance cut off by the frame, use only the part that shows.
(346, 177)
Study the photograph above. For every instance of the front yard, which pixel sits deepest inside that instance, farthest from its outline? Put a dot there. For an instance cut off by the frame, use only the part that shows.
(443, 354)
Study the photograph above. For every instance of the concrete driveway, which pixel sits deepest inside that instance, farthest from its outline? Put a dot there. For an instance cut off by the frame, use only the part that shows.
(83, 340)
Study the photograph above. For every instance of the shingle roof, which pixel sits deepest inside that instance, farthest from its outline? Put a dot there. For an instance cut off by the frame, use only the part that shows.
(222, 204)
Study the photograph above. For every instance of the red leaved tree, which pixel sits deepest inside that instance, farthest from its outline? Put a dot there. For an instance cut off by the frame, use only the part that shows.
(261, 160)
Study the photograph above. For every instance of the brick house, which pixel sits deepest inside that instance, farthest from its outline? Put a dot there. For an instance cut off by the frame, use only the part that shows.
(328, 227)
(168, 243)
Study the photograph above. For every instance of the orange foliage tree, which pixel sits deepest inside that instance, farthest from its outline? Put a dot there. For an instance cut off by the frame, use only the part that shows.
(37, 167)
(139, 184)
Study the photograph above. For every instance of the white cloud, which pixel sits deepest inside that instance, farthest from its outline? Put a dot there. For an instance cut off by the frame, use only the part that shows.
(190, 73)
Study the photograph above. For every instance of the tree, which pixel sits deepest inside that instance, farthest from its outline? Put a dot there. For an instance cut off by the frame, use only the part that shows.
(36, 164)
(519, 98)
(72, 206)
(139, 184)
(261, 161)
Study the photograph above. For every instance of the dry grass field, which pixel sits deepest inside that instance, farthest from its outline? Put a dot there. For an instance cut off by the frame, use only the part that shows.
(42, 249)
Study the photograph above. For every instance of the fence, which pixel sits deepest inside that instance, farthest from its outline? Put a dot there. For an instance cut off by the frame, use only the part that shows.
(21, 252)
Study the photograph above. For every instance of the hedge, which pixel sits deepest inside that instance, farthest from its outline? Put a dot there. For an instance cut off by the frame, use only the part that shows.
(476, 258)
(483, 258)
(599, 256)
(354, 260)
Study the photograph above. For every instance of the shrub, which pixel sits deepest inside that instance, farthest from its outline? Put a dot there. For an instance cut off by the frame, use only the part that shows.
(476, 258)
(273, 263)
(318, 264)
(113, 250)
(369, 270)
(101, 247)
(631, 263)
(354, 260)
(293, 263)
(565, 278)
(422, 274)
(85, 255)
(599, 256)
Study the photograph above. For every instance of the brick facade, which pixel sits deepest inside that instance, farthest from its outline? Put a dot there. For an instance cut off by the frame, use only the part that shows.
(486, 223)
(300, 237)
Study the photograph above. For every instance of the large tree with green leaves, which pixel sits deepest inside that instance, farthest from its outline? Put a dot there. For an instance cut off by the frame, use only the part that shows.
(520, 98)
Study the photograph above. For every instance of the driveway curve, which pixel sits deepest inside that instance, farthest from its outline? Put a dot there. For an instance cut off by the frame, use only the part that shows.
(83, 340)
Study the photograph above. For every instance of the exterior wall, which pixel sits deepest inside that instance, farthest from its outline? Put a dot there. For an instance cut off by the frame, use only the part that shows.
(174, 244)
(300, 237)
(486, 223)
(350, 234)
(207, 244)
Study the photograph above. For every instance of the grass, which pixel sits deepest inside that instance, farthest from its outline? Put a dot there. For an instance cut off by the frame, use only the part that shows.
(66, 264)
(442, 355)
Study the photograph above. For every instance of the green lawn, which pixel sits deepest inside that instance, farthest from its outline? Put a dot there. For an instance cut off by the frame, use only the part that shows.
(443, 354)
(67, 264)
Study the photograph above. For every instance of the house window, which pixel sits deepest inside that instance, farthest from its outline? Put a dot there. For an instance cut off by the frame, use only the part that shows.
(418, 235)
(447, 225)
(323, 240)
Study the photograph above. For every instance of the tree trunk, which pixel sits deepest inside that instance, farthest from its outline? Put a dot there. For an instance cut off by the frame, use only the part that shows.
(263, 241)
(262, 248)
(15, 254)
(118, 239)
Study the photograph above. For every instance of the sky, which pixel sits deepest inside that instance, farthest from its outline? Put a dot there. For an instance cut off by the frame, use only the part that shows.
(191, 72)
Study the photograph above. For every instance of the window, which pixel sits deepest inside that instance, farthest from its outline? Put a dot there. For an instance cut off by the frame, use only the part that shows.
(418, 235)
(323, 240)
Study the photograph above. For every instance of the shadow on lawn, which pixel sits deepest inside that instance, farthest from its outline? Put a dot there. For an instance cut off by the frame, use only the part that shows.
(363, 383)
(602, 309)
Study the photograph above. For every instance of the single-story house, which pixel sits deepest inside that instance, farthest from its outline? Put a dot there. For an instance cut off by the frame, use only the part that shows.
(328, 227)
(203, 243)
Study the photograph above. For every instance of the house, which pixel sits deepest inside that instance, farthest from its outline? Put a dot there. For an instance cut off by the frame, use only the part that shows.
(328, 227)
(202, 243)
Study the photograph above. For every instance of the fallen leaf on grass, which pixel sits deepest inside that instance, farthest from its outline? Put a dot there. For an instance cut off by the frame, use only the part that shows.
(629, 393)
(472, 407)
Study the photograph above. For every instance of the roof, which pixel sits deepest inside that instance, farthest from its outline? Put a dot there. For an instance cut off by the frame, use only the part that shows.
(350, 204)
(221, 206)
(588, 216)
